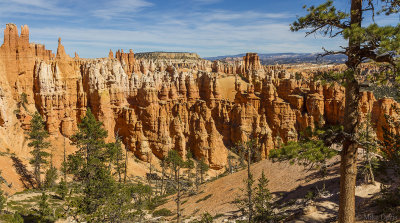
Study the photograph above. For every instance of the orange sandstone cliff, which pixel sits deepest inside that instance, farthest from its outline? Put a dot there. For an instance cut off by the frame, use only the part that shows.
(161, 104)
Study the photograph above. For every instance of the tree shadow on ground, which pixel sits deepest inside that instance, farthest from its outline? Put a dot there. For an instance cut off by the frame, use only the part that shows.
(25, 176)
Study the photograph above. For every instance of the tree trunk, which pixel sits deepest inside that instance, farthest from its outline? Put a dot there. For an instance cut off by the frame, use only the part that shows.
(37, 173)
(230, 164)
(371, 172)
(126, 164)
(348, 163)
(150, 170)
(65, 163)
(197, 177)
(348, 173)
(119, 168)
(249, 184)
(368, 150)
(162, 177)
(201, 174)
(178, 199)
(37, 169)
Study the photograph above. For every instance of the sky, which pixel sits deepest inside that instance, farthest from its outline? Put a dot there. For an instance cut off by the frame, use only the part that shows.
(208, 27)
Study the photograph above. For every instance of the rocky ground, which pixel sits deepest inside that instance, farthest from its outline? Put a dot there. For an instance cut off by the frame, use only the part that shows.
(293, 187)
(295, 193)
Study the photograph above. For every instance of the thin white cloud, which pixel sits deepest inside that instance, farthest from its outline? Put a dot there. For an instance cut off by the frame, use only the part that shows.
(32, 7)
(134, 24)
(120, 8)
(35, 3)
(206, 39)
(224, 15)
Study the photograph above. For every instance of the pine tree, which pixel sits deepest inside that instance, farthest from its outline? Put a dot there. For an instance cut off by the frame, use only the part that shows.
(23, 100)
(256, 200)
(50, 177)
(202, 169)
(389, 200)
(390, 7)
(37, 136)
(163, 175)
(126, 164)
(62, 189)
(249, 192)
(176, 162)
(205, 218)
(367, 139)
(370, 42)
(250, 150)
(262, 201)
(2, 197)
(101, 198)
(119, 206)
(89, 165)
(2, 200)
(44, 208)
(64, 165)
(391, 144)
(116, 157)
(190, 166)
(230, 164)
(141, 192)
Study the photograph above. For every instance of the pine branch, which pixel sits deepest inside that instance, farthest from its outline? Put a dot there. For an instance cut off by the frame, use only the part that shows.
(369, 53)
(330, 52)
(324, 18)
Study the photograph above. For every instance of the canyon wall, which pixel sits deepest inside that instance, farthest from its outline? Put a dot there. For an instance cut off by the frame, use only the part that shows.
(156, 105)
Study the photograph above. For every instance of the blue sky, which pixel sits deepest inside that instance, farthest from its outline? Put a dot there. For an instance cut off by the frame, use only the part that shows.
(208, 27)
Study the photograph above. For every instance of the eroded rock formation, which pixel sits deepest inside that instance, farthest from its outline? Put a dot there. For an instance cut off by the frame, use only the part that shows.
(161, 104)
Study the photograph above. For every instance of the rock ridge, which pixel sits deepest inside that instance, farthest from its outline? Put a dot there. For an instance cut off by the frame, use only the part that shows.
(156, 105)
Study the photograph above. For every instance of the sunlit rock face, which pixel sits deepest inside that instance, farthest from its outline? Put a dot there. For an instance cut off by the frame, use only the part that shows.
(177, 101)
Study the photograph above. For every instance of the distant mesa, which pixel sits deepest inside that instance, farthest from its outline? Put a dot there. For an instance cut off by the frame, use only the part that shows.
(167, 55)
(285, 58)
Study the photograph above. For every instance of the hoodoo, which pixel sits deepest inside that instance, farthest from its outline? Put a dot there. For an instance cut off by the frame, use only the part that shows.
(162, 103)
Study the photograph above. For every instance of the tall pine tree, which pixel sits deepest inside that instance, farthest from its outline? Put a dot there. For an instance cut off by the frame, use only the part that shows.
(116, 157)
(37, 136)
(2, 197)
(89, 166)
(250, 150)
(367, 41)
(176, 163)
(262, 201)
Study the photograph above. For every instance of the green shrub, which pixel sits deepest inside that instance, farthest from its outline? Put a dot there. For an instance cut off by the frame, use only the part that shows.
(205, 218)
(12, 218)
(162, 212)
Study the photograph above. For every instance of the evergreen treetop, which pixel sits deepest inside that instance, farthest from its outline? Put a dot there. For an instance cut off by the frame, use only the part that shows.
(37, 136)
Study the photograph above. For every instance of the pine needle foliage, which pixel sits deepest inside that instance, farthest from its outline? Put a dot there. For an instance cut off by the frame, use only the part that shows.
(37, 136)
(310, 152)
